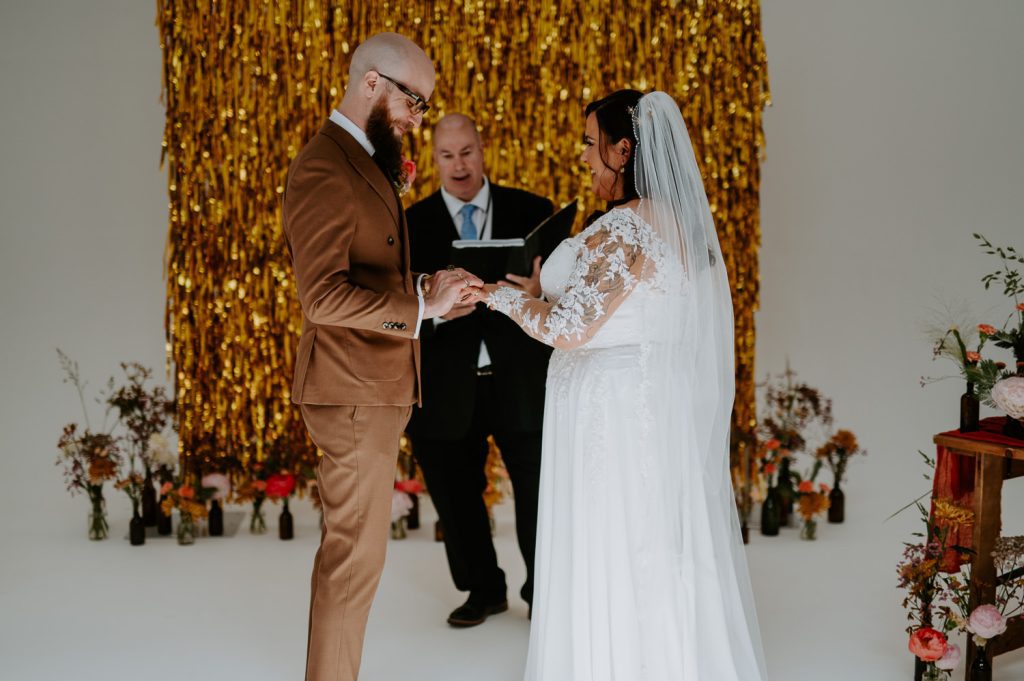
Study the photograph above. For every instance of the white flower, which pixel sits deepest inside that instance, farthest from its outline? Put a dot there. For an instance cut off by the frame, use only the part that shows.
(160, 451)
(401, 504)
(1008, 394)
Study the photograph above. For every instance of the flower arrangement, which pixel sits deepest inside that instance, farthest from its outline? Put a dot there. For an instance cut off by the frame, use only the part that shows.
(792, 410)
(280, 487)
(182, 496)
(254, 491)
(837, 452)
(811, 501)
(938, 601)
(89, 457)
(144, 414)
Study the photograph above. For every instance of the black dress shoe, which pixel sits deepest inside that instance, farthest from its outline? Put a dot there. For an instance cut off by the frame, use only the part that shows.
(475, 611)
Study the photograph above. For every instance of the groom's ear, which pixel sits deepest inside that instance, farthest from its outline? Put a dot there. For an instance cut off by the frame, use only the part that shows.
(369, 83)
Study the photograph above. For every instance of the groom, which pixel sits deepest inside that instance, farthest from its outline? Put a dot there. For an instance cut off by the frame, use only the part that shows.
(357, 363)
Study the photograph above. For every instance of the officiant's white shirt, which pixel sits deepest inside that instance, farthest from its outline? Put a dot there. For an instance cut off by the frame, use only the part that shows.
(483, 218)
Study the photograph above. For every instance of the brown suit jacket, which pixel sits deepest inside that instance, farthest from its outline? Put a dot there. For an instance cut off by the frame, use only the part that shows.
(347, 236)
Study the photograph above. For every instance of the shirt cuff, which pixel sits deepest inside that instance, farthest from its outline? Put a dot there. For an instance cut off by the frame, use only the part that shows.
(419, 284)
(419, 317)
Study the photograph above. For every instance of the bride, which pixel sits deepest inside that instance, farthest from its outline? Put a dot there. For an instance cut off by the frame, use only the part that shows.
(641, 574)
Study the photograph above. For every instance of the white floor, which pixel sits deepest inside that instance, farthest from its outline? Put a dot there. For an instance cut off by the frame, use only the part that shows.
(235, 608)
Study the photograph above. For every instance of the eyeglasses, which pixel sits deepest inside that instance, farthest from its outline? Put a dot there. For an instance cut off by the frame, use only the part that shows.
(419, 105)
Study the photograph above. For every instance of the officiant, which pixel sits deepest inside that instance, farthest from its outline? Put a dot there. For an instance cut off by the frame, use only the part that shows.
(481, 375)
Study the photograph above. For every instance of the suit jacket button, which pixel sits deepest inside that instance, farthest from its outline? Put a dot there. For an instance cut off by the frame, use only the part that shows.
(391, 241)
(402, 326)
(386, 325)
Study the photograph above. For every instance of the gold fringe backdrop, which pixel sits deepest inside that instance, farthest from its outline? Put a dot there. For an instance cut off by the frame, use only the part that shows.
(247, 83)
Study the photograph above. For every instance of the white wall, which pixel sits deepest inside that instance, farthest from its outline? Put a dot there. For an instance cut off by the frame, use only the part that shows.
(83, 215)
(895, 133)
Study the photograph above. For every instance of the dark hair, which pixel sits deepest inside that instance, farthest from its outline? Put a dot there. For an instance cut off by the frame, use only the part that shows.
(614, 115)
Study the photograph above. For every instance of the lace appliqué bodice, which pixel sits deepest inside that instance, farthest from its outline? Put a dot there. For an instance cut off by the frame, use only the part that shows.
(613, 257)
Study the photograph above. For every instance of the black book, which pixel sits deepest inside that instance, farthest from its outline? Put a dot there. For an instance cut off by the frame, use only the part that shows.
(492, 259)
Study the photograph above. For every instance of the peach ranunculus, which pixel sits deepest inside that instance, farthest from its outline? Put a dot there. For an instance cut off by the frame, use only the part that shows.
(986, 622)
(973, 357)
(950, 659)
(987, 329)
(166, 487)
(186, 492)
(928, 644)
(806, 487)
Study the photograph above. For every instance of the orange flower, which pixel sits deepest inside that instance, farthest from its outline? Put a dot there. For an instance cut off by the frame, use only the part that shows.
(1020, 306)
(806, 487)
(845, 440)
(973, 357)
(166, 487)
(987, 329)
(928, 644)
(186, 492)
(772, 444)
(770, 469)
(259, 485)
(824, 488)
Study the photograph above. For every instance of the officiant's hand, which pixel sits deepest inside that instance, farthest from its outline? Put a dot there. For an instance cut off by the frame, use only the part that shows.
(446, 288)
(529, 285)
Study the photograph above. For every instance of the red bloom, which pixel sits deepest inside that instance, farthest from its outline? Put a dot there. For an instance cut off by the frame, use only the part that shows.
(770, 468)
(409, 486)
(1020, 306)
(772, 444)
(186, 492)
(806, 487)
(987, 329)
(408, 170)
(280, 485)
(166, 487)
(928, 644)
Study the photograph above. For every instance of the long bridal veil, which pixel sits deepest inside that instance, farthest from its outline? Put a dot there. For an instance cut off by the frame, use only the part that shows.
(688, 365)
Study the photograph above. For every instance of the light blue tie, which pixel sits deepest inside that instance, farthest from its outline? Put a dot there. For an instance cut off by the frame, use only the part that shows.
(468, 229)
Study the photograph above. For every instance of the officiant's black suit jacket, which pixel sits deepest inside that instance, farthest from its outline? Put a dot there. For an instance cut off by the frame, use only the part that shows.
(450, 350)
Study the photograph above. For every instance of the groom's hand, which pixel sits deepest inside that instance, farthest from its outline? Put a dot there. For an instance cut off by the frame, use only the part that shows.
(447, 288)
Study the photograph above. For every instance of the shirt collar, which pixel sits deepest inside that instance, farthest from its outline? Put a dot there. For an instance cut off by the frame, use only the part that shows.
(351, 128)
(455, 204)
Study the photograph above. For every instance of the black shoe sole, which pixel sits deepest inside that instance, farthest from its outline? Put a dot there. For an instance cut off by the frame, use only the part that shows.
(489, 610)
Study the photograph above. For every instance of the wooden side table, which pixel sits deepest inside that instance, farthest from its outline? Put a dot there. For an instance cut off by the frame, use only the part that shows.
(996, 458)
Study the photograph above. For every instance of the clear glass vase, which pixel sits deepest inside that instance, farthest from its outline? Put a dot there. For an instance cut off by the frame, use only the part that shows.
(98, 528)
(809, 530)
(258, 522)
(186, 529)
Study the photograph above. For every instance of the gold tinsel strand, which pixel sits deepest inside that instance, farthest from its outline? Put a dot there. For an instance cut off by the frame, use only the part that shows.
(246, 84)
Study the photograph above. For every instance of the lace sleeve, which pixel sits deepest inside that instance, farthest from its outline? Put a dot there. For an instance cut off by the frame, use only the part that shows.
(607, 270)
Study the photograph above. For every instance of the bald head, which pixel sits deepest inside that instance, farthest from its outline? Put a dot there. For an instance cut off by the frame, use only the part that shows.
(396, 56)
(459, 156)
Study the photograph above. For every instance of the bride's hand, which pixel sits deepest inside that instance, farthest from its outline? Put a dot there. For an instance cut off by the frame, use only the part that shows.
(479, 295)
(529, 285)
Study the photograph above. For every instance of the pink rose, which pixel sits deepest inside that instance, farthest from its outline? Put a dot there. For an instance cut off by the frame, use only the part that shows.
(928, 644)
(219, 483)
(986, 622)
(1008, 394)
(401, 504)
(950, 660)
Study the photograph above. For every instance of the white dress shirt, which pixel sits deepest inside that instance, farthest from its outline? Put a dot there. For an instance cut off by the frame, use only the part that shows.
(483, 218)
(351, 128)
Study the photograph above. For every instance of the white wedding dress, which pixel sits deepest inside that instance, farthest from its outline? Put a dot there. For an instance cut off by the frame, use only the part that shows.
(624, 591)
